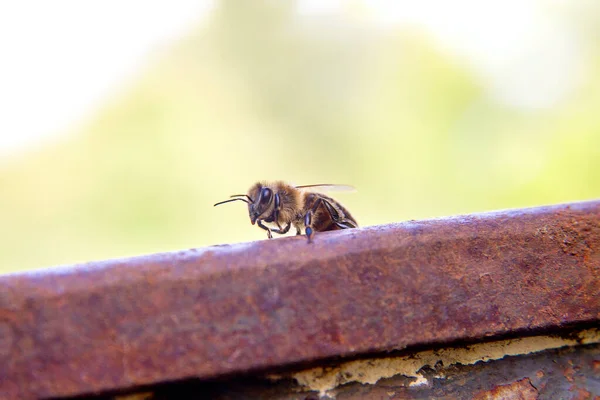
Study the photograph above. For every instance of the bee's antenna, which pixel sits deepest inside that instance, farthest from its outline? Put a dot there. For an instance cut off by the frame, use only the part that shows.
(230, 200)
(242, 195)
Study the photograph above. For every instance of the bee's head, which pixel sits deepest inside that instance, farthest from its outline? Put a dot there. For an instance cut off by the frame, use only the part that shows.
(261, 202)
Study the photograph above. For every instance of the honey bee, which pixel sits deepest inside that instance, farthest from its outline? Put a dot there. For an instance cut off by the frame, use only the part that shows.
(276, 206)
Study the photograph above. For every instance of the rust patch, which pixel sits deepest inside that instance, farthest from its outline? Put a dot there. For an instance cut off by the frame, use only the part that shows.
(539, 374)
(580, 393)
(596, 367)
(568, 373)
(519, 390)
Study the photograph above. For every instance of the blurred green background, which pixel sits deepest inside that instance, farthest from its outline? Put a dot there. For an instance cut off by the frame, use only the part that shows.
(264, 90)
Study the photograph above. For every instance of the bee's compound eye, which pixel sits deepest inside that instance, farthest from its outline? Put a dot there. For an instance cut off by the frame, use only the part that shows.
(265, 196)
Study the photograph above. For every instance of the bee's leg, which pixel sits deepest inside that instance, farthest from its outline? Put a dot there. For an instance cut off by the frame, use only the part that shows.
(308, 224)
(269, 234)
(308, 219)
(298, 232)
(283, 231)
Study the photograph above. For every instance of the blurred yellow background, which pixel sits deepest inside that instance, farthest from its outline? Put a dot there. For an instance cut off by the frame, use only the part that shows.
(428, 110)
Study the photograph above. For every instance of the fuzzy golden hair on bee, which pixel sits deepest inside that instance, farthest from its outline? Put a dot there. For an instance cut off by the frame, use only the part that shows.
(276, 206)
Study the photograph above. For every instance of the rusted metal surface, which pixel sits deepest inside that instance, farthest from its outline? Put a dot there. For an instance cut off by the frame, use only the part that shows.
(237, 308)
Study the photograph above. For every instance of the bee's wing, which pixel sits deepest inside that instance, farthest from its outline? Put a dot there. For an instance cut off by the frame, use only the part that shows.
(328, 187)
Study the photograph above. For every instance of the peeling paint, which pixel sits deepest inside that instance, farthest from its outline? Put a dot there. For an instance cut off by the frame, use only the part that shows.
(369, 371)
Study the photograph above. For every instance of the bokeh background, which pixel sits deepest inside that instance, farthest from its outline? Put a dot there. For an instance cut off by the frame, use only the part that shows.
(121, 123)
